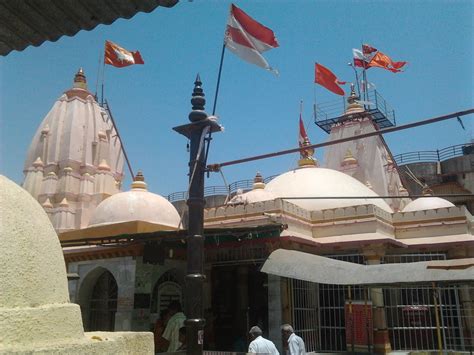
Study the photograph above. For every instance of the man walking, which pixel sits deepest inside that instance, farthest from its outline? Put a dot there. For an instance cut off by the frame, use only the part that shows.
(259, 344)
(295, 343)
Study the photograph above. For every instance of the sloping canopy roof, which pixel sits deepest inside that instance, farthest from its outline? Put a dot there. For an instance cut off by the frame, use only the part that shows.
(319, 269)
(30, 22)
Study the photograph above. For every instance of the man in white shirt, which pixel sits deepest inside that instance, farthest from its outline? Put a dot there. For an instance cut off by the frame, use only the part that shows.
(295, 343)
(171, 333)
(259, 344)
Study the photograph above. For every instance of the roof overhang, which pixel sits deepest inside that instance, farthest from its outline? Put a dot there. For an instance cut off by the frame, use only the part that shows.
(319, 269)
(31, 23)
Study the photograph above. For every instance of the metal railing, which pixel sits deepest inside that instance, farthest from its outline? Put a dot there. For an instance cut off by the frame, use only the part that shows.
(435, 155)
(334, 109)
(245, 185)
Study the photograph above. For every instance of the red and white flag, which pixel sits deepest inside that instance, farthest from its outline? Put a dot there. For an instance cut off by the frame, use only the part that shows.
(326, 78)
(120, 57)
(302, 136)
(362, 58)
(248, 39)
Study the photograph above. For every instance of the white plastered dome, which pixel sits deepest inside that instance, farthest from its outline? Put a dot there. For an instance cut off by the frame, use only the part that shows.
(138, 204)
(320, 182)
(257, 194)
(427, 203)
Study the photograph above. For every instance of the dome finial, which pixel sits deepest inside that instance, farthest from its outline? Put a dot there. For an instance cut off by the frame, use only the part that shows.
(139, 181)
(353, 105)
(349, 159)
(80, 80)
(307, 159)
(198, 101)
(258, 181)
(426, 191)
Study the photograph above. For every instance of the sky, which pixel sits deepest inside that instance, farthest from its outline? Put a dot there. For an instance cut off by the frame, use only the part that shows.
(259, 110)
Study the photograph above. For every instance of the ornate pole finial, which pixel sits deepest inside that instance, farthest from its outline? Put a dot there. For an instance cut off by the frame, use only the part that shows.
(198, 101)
(80, 80)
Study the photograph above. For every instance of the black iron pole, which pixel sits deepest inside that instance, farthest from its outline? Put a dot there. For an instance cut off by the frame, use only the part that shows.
(196, 131)
(218, 80)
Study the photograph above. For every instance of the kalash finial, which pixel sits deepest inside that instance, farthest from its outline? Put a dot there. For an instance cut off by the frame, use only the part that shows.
(258, 181)
(198, 101)
(80, 80)
(354, 106)
(139, 181)
(307, 155)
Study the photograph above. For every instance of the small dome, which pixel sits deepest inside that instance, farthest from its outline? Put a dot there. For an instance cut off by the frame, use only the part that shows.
(138, 204)
(319, 182)
(257, 194)
(427, 203)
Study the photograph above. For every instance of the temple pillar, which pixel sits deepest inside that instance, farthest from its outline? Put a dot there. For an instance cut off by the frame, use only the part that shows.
(125, 296)
(243, 297)
(465, 295)
(275, 310)
(380, 336)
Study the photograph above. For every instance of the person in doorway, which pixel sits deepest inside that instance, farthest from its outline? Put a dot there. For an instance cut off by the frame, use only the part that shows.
(176, 321)
(259, 344)
(182, 339)
(295, 343)
(161, 345)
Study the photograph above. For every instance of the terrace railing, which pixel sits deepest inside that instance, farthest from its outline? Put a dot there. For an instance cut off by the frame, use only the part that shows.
(437, 155)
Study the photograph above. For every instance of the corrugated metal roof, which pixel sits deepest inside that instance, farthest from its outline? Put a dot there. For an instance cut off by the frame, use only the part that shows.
(32, 22)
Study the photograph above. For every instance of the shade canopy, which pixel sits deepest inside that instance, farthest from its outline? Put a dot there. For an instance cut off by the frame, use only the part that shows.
(320, 269)
(25, 23)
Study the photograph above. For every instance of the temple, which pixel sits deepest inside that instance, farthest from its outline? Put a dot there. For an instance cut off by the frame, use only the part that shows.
(75, 159)
(129, 248)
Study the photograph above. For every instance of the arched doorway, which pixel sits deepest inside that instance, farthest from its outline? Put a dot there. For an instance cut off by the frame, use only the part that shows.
(103, 303)
(166, 290)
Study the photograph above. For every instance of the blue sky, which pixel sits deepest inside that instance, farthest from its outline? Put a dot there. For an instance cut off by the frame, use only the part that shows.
(259, 110)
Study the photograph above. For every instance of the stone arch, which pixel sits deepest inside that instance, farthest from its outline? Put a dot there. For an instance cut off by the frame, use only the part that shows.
(98, 294)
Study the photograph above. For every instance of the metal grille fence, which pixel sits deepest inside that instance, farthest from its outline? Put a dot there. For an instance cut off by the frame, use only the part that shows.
(411, 311)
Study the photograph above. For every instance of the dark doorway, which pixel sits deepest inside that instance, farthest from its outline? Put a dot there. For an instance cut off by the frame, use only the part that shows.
(103, 303)
(239, 301)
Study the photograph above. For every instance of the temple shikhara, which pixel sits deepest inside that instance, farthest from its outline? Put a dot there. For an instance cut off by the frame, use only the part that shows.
(336, 248)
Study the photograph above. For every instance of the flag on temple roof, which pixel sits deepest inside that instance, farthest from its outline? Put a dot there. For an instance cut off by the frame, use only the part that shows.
(324, 77)
(367, 49)
(302, 136)
(383, 61)
(120, 57)
(248, 38)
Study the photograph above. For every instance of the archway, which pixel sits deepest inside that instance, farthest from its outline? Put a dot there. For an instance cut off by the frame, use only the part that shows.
(167, 289)
(98, 300)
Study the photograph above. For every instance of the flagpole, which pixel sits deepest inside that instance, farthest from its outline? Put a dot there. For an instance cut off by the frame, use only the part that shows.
(103, 79)
(356, 76)
(98, 75)
(218, 79)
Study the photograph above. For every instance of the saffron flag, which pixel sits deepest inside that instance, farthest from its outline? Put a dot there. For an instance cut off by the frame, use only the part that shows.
(248, 39)
(120, 57)
(325, 78)
(381, 60)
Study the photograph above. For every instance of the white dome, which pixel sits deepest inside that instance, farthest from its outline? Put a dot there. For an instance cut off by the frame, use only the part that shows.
(427, 203)
(136, 205)
(319, 182)
(258, 195)
(252, 196)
